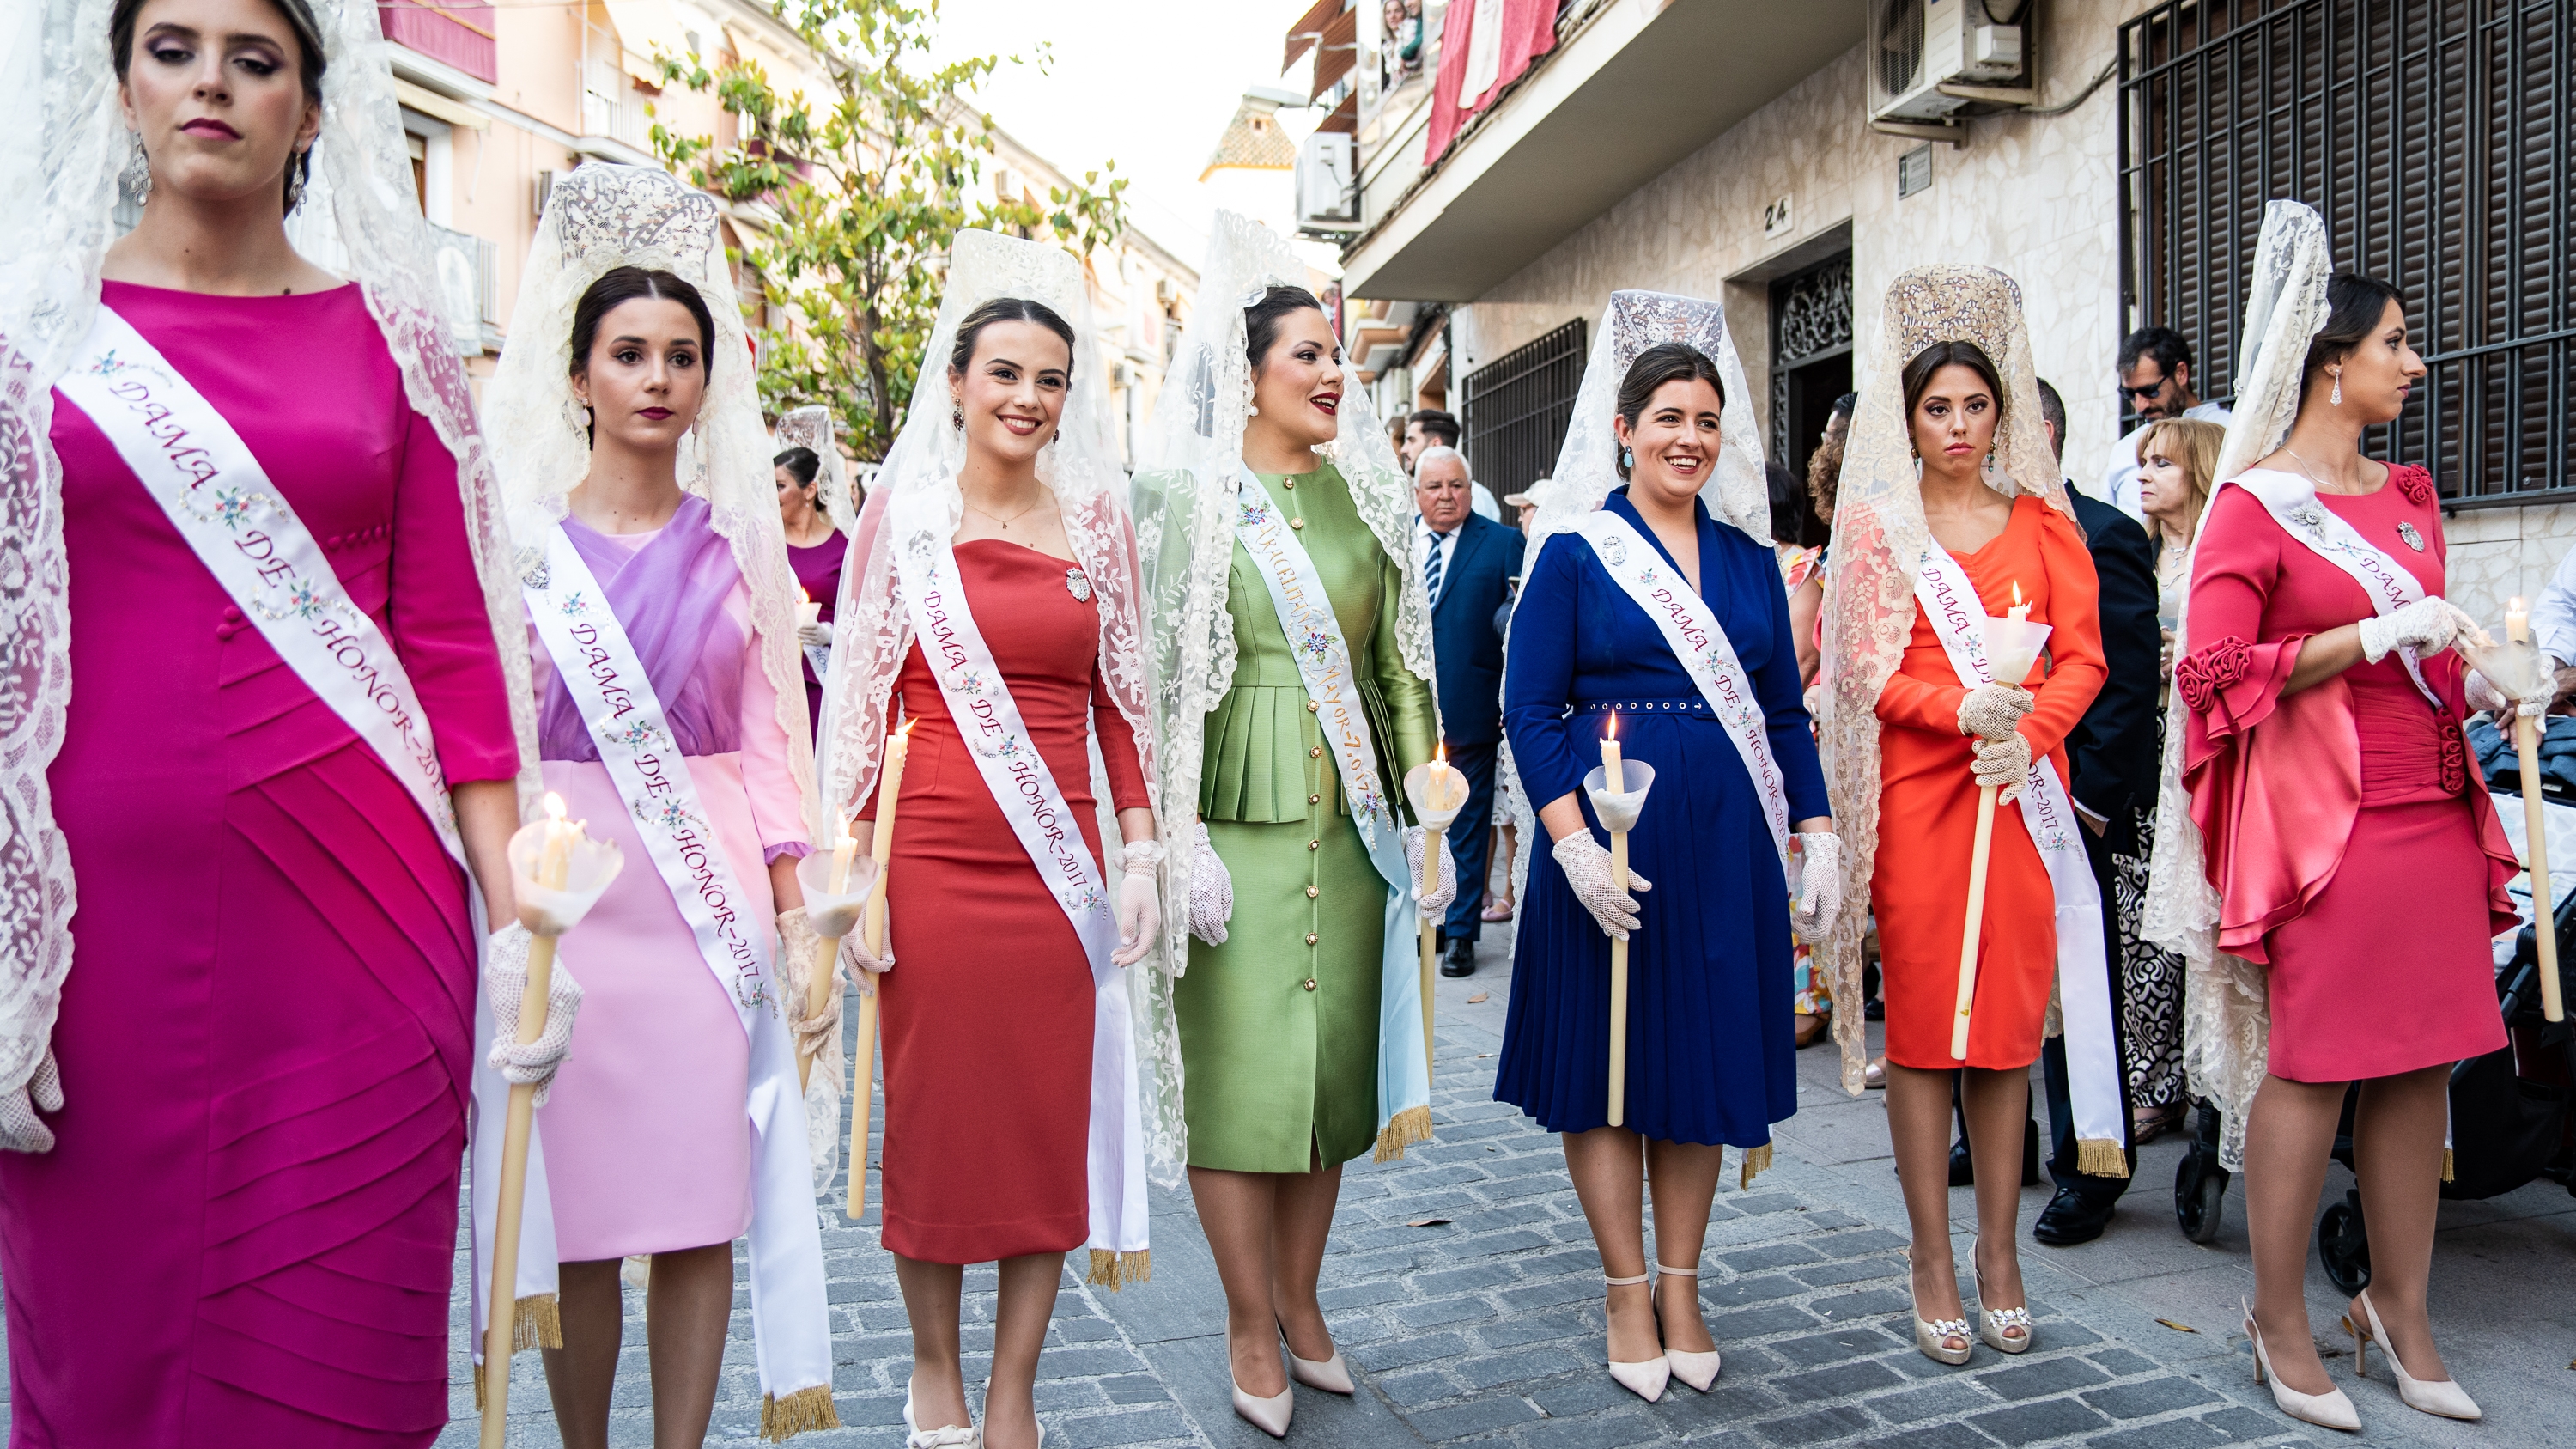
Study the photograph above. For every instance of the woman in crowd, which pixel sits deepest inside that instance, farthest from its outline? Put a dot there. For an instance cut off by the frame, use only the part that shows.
(1301, 1015)
(814, 509)
(663, 616)
(1650, 611)
(1948, 465)
(2355, 867)
(1012, 1087)
(237, 1079)
(2176, 460)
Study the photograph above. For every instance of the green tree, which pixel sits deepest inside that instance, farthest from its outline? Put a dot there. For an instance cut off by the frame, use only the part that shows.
(868, 184)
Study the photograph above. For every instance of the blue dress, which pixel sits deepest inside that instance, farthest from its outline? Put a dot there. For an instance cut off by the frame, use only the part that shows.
(1711, 1043)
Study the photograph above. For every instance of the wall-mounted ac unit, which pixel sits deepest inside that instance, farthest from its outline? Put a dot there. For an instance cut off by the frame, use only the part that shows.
(1328, 180)
(1928, 58)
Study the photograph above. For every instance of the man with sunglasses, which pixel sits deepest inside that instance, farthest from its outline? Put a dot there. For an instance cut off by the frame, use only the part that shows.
(2155, 383)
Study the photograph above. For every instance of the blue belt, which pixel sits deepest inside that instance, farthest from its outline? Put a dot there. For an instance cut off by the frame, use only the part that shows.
(1693, 705)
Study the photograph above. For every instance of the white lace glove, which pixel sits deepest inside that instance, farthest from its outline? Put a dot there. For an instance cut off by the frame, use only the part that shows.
(2004, 763)
(1444, 889)
(817, 635)
(2427, 626)
(505, 979)
(1211, 889)
(1820, 874)
(1991, 711)
(1140, 900)
(1587, 869)
(2486, 694)
(21, 1130)
(800, 951)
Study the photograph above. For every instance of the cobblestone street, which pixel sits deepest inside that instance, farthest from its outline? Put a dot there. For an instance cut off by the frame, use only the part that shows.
(1464, 1289)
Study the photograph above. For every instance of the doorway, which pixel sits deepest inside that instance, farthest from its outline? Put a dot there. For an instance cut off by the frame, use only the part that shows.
(1811, 365)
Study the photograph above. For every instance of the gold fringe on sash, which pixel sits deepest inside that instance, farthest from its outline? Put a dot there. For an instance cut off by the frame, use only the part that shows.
(1407, 1127)
(1756, 1159)
(802, 1410)
(2446, 1166)
(2100, 1157)
(536, 1321)
(1114, 1270)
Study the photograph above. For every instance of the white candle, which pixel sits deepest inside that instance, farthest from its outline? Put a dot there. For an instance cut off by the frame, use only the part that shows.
(2019, 612)
(1612, 772)
(2517, 621)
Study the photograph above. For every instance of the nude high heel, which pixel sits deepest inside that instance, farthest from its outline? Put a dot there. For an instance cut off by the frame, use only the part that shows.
(1269, 1415)
(1645, 1378)
(1994, 1325)
(2430, 1396)
(2329, 1410)
(1699, 1370)
(1330, 1375)
(1932, 1335)
(946, 1437)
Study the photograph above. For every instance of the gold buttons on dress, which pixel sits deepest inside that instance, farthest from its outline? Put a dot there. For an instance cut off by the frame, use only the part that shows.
(1288, 483)
(1296, 523)
(1312, 707)
(1311, 844)
(1310, 938)
(1314, 799)
(1310, 983)
(1312, 892)
(1316, 753)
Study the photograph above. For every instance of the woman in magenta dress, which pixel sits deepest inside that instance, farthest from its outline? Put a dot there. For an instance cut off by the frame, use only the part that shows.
(236, 1222)
(1010, 1015)
(815, 550)
(2357, 864)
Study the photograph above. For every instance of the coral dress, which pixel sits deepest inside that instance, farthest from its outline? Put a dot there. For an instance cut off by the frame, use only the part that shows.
(987, 1014)
(246, 1231)
(2354, 851)
(1927, 810)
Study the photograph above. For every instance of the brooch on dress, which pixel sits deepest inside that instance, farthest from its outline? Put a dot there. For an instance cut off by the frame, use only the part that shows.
(2413, 539)
(1080, 587)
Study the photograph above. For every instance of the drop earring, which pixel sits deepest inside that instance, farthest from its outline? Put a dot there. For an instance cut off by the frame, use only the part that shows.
(1627, 457)
(956, 415)
(2337, 399)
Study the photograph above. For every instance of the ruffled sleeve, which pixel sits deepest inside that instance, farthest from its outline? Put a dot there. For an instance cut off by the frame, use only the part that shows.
(2234, 681)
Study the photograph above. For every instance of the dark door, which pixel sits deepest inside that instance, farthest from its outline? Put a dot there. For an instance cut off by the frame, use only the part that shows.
(1811, 365)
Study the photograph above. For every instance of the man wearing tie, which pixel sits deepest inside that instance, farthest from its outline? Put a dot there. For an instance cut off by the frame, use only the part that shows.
(1467, 562)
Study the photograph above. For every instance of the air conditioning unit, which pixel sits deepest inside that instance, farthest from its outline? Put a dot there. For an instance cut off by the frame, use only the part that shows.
(1923, 53)
(1328, 180)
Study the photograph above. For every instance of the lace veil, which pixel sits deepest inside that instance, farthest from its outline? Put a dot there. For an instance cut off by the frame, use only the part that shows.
(1192, 457)
(1879, 543)
(916, 487)
(2227, 1019)
(1738, 492)
(811, 427)
(61, 178)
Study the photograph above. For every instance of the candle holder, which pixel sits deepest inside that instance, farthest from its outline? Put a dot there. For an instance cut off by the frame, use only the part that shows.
(1438, 794)
(837, 885)
(2518, 667)
(2013, 643)
(1617, 810)
(557, 874)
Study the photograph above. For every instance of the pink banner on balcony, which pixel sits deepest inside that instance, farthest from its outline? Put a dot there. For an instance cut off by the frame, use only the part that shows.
(458, 32)
(1519, 31)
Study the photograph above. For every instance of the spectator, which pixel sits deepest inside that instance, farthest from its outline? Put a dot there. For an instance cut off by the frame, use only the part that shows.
(1431, 428)
(2155, 376)
(1825, 465)
(1793, 520)
(1467, 564)
(2553, 626)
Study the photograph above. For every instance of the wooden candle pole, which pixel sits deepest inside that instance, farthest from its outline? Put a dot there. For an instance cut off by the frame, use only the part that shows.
(552, 871)
(863, 1086)
(1976, 920)
(1438, 790)
(2526, 744)
(1615, 774)
(818, 986)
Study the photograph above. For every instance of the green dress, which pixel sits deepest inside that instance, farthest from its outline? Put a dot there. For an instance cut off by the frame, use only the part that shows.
(1279, 1026)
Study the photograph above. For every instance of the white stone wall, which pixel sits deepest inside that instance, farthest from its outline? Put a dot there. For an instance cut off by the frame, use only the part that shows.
(2497, 553)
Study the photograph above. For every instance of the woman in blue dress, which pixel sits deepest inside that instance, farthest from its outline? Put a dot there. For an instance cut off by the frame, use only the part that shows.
(1710, 1034)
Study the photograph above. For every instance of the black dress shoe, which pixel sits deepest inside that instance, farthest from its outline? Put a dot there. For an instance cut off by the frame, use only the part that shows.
(1963, 1170)
(1461, 960)
(2071, 1218)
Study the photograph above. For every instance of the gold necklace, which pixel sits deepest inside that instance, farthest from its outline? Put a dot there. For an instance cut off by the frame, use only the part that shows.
(1007, 522)
(2339, 488)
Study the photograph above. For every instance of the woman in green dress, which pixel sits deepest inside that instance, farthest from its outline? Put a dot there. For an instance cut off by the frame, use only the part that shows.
(1293, 641)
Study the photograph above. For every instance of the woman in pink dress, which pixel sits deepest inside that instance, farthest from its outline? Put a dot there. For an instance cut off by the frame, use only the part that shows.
(231, 1218)
(2357, 863)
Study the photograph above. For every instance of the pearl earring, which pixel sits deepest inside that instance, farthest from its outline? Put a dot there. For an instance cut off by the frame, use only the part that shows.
(2337, 399)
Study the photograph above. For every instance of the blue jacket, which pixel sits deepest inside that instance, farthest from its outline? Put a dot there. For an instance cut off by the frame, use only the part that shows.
(1466, 632)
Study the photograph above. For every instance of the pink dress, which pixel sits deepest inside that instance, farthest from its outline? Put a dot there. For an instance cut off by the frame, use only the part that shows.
(246, 1232)
(2353, 846)
(647, 1135)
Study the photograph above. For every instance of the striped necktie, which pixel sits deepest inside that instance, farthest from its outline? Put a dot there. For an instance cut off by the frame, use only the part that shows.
(1431, 567)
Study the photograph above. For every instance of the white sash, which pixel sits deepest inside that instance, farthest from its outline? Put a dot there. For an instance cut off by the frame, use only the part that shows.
(1949, 600)
(1691, 631)
(2292, 502)
(597, 663)
(1324, 661)
(988, 720)
(220, 499)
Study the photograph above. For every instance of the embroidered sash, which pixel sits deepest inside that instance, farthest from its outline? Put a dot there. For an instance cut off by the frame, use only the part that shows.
(988, 719)
(1949, 600)
(220, 499)
(2292, 502)
(599, 668)
(1324, 661)
(1691, 631)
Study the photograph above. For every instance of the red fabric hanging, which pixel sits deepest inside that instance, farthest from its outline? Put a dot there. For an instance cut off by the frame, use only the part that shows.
(1529, 31)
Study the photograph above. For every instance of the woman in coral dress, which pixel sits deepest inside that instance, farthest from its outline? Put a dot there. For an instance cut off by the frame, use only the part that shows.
(994, 619)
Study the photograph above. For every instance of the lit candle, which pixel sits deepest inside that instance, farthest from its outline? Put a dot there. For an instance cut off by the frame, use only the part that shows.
(2019, 612)
(843, 848)
(554, 867)
(1611, 770)
(2517, 621)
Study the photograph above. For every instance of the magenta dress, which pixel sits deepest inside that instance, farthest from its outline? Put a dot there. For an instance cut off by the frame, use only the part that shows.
(818, 569)
(648, 1131)
(2350, 838)
(247, 1229)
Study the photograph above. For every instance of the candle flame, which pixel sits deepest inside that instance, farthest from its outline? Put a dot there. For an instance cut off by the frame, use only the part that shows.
(1440, 753)
(1612, 732)
(554, 805)
(906, 731)
(2017, 599)
(2514, 604)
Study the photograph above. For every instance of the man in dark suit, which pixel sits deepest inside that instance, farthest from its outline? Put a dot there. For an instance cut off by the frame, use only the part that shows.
(2113, 759)
(1467, 563)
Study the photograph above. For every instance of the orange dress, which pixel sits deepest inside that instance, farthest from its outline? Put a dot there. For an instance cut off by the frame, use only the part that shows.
(1927, 810)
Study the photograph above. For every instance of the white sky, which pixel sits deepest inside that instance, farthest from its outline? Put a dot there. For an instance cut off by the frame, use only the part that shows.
(1149, 83)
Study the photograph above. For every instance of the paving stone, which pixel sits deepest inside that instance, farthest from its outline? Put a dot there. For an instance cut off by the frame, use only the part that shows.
(1760, 1322)
(1775, 1255)
(1848, 1270)
(2242, 1423)
(1815, 1426)
(1474, 1278)
(2046, 1419)
(1418, 1387)
(2033, 1380)
(1864, 1305)
(1738, 1292)
(1494, 1411)
(1403, 1353)
(1536, 1328)
(1954, 1398)
(1134, 1426)
(2120, 1363)
(1823, 1348)
(1837, 1382)
(1939, 1436)
(1446, 1311)
(2171, 1434)
(1512, 1368)
(1853, 1245)
(1614, 1430)
(2154, 1396)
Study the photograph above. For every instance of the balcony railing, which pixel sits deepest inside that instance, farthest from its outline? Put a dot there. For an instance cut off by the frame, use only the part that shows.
(619, 119)
(458, 32)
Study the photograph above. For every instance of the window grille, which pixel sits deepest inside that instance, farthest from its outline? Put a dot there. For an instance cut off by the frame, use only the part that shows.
(1517, 408)
(2434, 137)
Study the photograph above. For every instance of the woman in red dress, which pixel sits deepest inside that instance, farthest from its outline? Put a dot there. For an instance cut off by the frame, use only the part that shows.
(2357, 862)
(1009, 1059)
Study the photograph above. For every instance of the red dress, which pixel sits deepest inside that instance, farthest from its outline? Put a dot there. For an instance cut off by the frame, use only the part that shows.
(1927, 811)
(987, 1014)
(2353, 848)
